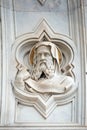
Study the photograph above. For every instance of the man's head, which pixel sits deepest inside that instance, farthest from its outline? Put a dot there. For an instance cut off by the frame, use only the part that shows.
(43, 57)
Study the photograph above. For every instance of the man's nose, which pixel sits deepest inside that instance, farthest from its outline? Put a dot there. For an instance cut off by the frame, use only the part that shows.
(42, 56)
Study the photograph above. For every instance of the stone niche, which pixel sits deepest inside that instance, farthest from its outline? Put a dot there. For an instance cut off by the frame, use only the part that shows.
(45, 80)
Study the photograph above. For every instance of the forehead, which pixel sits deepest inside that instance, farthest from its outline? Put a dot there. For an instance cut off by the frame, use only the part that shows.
(43, 49)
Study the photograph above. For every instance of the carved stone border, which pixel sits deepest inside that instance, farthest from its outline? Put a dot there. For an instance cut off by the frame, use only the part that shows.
(66, 45)
(77, 32)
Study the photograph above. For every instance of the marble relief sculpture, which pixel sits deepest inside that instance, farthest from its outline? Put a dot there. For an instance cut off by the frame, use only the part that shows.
(45, 76)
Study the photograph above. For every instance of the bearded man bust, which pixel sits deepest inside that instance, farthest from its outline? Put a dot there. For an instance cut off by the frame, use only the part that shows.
(45, 76)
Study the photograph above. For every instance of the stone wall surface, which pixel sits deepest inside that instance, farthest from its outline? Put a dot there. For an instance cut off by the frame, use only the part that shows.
(37, 94)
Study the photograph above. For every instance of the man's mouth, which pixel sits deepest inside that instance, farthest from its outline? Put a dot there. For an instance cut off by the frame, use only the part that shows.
(43, 66)
(43, 61)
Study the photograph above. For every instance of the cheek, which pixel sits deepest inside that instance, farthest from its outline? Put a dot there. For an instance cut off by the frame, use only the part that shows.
(50, 58)
(38, 59)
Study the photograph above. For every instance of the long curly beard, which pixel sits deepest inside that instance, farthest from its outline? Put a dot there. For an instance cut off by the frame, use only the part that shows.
(43, 70)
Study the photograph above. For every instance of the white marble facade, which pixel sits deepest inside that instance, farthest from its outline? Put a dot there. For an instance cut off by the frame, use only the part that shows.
(43, 71)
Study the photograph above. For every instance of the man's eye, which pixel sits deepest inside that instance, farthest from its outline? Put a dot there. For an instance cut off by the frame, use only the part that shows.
(47, 54)
(38, 55)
